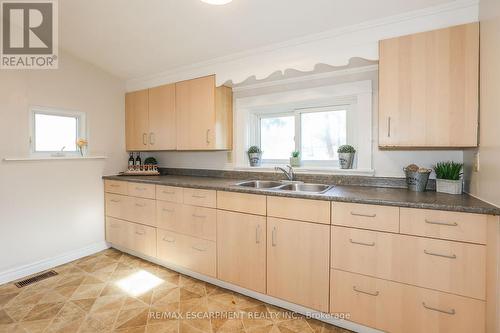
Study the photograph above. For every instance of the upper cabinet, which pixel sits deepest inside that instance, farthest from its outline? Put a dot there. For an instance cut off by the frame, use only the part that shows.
(204, 115)
(428, 89)
(188, 115)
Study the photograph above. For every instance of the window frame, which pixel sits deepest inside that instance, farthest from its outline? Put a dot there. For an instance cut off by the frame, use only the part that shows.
(81, 129)
(348, 106)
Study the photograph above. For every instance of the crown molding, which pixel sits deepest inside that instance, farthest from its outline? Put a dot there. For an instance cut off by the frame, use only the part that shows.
(334, 47)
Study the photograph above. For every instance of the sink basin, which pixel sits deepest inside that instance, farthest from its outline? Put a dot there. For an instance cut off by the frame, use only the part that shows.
(312, 188)
(260, 184)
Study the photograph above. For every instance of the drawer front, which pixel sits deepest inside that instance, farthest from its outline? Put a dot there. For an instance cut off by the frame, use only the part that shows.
(396, 307)
(299, 209)
(143, 239)
(242, 202)
(202, 198)
(115, 186)
(363, 216)
(445, 225)
(169, 193)
(199, 222)
(168, 215)
(117, 232)
(192, 253)
(140, 190)
(447, 266)
(117, 206)
(141, 211)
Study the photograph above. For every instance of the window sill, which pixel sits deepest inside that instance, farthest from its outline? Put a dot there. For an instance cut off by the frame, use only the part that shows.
(312, 170)
(51, 158)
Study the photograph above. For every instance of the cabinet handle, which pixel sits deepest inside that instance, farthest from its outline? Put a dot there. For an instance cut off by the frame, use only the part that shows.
(365, 292)
(452, 256)
(450, 312)
(449, 224)
(198, 216)
(114, 185)
(151, 138)
(142, 232)
(208, 133)
(362, 243)
(257, 234)
(114, 200)
(145, 139)
(169, 240)
(363, 215)
(273, 238)
(198, 249)
(139, 205)
(140, 189)
(115, 226)
(168, 210)
(389, 127)
(167, 192)
(196, 196)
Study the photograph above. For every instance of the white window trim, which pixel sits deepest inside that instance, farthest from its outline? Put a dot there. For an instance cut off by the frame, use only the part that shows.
(81, 130)
(358, 95)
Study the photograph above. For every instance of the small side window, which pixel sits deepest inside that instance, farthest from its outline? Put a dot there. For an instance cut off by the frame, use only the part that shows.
(56, 131)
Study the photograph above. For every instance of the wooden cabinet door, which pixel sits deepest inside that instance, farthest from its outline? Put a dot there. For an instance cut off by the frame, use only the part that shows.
(428, 88)
(195, 113)
(162, 124)
(298, 262)
(136, 120)
(241, 249)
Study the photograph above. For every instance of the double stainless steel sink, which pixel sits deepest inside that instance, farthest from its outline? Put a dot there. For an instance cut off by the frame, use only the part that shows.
(286, 186)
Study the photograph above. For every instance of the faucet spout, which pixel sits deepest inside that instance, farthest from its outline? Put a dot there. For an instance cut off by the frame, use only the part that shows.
(289, 173)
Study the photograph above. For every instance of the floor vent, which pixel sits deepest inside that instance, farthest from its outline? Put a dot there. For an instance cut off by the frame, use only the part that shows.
(34, 279)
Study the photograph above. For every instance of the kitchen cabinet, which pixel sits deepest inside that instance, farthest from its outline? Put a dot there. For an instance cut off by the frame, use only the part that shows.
(241, 251)
(298, 262)
(150, 119)
(204, 115)
(428, 89)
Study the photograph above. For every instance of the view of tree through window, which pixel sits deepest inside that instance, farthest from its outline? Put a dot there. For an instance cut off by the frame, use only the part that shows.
(277, 137)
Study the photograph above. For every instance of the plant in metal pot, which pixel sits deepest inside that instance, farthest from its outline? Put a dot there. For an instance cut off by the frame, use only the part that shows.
(346, 156)
(295, 159)
(254, 156)
(449, 177)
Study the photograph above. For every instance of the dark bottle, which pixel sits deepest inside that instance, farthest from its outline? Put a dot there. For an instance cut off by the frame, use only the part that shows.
(138, 160)
(131, 161)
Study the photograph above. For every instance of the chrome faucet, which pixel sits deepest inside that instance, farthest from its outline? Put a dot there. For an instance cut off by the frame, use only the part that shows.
(288, 173)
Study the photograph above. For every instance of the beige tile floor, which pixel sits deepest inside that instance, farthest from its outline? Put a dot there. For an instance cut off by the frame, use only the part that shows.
(114, 292)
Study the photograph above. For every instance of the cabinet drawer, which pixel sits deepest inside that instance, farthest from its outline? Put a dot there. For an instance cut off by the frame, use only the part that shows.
(199, 222)
(396, 307)
(117, 232)
(192, 253)
(115, 186)
(430, 263)
(117, 205)
(143, 239)
(446, 225)
(202, 198)
(140, 190)
(169, 193)
(299, 209)
(242, 202)
(363, 216)
(168, 215)
(131, 209)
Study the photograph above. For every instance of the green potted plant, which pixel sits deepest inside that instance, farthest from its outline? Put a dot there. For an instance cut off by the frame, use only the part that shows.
(295, 159)
(449, 177)
(254, 156)
(346, 156)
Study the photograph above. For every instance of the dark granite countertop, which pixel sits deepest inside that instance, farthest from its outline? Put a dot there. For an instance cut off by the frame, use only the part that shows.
(357, 194)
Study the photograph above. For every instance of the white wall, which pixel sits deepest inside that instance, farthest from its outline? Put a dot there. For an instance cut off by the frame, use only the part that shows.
(52, 208)
(387, 163)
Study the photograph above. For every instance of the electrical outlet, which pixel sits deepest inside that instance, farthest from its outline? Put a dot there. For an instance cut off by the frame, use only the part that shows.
(476, 162)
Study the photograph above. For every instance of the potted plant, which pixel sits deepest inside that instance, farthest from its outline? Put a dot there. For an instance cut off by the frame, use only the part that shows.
(346, 156)
(448, 177)
(295, 159)
(254, 156)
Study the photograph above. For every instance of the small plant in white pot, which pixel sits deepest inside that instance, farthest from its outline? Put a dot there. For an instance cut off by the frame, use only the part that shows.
(449, 177)
(254, 156)
(346, 156)
(295, 159)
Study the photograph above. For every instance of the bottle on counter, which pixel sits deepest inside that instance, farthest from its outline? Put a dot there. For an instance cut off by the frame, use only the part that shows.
(138, 162)
(131, 162)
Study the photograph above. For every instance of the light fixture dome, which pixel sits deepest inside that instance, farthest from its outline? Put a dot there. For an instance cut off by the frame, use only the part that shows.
(217, 2)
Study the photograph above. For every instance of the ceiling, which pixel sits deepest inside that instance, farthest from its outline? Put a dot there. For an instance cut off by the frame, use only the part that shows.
(134, 38)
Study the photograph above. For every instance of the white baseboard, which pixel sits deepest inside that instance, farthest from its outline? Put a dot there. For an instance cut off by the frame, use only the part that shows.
(42, 265)
(261, 297)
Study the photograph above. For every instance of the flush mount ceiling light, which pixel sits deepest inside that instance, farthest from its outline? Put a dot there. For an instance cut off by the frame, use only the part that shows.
(217, 2)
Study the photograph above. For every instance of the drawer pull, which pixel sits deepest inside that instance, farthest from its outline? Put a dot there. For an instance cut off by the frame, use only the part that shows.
(139, 205)
(196, 196)
(114, 200)
(198, 249)
(452, 256)
(199, 216)
(452, 224)
(114, 185)
(257, 234)
(450, 312)
(142, 232)
(115, 226)
(365, 292)
(273, 237)
(363, 215)
(168, 210)
(140, 188)
(167, 192)
(169, 240)
(362, 243)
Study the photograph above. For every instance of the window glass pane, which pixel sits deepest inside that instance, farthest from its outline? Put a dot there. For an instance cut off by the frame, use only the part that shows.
(277, 137)
(52, 133)
(322, 133)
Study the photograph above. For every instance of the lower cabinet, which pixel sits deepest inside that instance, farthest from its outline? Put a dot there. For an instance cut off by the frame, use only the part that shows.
(396, 307)
(195, 254)
(133, 236)
(298, 262)
(241, 251)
